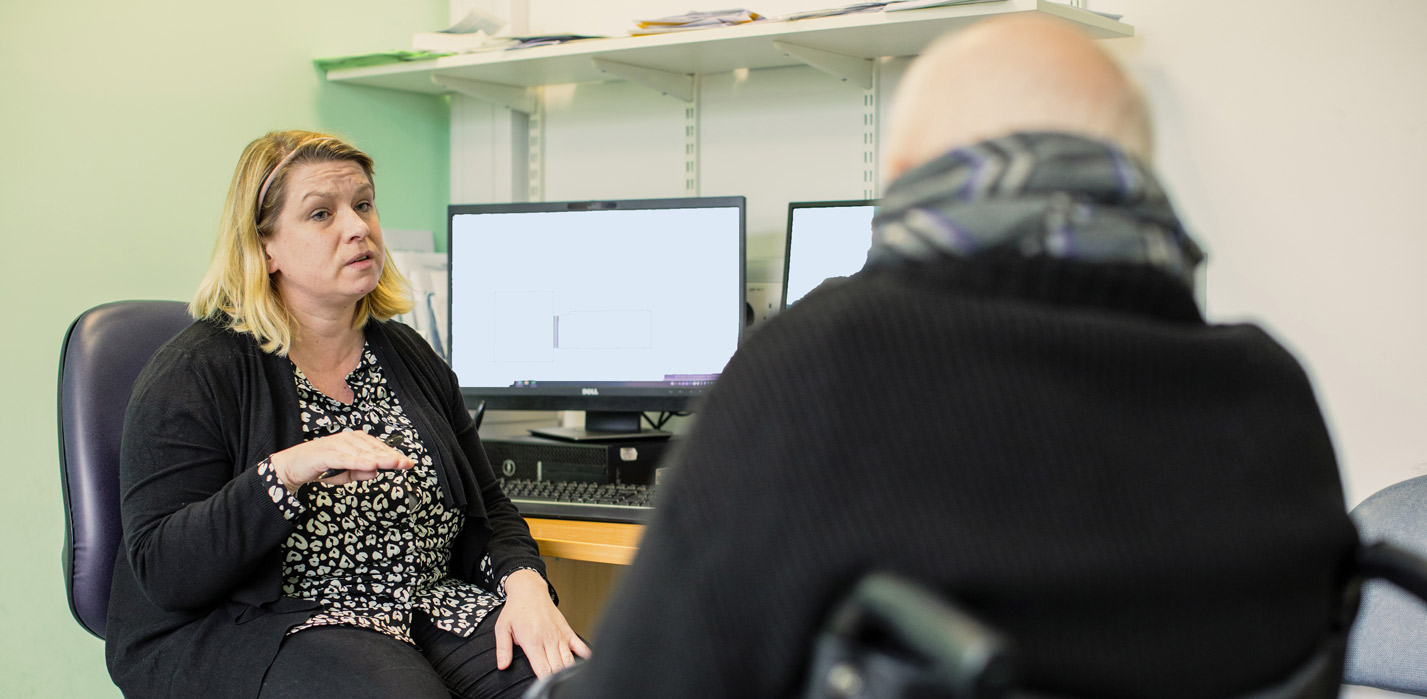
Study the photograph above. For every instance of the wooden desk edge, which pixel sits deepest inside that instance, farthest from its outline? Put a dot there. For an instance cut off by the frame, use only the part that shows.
(599, 542)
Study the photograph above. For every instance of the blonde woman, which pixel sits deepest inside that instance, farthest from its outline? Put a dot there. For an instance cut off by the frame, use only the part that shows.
(307, 507)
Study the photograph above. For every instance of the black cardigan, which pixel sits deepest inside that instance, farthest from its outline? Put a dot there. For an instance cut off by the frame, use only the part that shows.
(1146, 504)
(196, 607)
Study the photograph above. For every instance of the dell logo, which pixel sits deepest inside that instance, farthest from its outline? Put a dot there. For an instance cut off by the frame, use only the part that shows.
(508, 468)
(589, 391)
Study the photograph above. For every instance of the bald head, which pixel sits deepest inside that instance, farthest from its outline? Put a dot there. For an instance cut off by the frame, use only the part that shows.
(1020, 73)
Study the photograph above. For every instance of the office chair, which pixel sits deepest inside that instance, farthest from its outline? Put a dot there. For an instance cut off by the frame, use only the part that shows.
(892, 638)
(1388, 646)
(102, 354)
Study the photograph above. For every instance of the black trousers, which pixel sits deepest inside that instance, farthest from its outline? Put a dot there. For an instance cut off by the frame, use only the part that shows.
(351, 663)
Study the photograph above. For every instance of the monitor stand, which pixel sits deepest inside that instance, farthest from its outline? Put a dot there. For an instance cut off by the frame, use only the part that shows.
(603, 426)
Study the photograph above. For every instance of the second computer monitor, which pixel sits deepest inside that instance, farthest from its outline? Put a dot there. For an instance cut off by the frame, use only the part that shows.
(825, 239)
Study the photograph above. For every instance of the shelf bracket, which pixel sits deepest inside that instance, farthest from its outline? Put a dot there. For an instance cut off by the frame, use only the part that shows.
(691, 145)
(838, 65)
(680, 85)
(520, 99)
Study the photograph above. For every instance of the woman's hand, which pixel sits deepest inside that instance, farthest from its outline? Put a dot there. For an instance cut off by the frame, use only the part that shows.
(530, 620)
(357, 455)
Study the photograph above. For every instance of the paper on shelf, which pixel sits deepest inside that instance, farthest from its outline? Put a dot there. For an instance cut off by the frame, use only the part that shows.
(854, 8)
(472, 33)
(526, 42)
(426, 274)
(694, 20)
(364, 60)
(476, 21)
(738, 16)
(449, 43)
(900, 5)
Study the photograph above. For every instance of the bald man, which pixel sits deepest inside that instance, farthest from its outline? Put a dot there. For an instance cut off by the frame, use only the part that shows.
(1016, 402)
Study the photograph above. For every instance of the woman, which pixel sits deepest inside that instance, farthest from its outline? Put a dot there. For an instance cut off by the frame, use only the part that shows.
(307, 508)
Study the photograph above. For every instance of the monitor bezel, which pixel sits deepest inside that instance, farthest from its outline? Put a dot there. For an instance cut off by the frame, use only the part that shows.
(611, 398)
(793, 206)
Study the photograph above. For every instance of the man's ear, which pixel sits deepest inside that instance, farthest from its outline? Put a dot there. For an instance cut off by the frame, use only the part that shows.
(894, 167)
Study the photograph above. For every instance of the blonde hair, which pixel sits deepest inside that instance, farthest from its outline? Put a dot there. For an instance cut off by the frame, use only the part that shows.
(237, 291)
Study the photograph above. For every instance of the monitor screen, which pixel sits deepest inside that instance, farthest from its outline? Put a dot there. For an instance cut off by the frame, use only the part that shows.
(611, 307)
(825, 239)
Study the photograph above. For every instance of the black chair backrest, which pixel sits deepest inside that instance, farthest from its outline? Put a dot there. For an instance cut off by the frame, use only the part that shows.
(103, 352)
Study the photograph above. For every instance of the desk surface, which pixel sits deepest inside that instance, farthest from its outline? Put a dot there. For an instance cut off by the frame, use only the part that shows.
(600, 542)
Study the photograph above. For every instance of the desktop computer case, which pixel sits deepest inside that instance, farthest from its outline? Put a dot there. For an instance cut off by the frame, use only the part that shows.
(537, 458)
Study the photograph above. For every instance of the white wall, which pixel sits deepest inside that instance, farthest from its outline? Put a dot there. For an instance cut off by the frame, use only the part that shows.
(1293, 135)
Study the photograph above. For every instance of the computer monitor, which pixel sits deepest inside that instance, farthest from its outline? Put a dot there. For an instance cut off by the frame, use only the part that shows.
(610, 307)
(825, 239)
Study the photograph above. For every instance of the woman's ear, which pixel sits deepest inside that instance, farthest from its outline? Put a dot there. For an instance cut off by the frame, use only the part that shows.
(271, 263)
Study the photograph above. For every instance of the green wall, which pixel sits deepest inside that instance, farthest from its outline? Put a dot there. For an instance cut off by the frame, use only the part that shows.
(120, 125)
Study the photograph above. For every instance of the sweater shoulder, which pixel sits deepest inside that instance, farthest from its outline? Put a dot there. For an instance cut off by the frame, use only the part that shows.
(203, 353)
(409, 346)
(207, 338)
(887, 313)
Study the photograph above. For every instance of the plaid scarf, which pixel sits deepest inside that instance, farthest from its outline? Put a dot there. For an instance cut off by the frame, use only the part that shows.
(1038, 193)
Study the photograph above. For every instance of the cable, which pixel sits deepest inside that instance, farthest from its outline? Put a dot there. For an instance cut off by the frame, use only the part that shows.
(664, 418)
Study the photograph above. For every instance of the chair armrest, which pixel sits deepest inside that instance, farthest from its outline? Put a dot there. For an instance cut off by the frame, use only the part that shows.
(1396, 565)
(891, 635)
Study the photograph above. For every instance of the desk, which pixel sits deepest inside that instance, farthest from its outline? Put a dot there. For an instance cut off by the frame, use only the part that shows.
(597, 542)
(584, 560)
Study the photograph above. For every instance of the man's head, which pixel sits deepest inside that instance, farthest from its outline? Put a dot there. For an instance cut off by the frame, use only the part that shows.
(1022, 73)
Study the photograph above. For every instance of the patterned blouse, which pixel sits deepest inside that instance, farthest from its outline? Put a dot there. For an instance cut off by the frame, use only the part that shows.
(374, 551)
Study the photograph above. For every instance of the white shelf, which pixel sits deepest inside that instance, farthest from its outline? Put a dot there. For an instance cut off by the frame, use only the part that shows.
(860, 36)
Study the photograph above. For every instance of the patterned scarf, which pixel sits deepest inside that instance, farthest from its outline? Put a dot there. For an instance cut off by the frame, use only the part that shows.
(1039, 193)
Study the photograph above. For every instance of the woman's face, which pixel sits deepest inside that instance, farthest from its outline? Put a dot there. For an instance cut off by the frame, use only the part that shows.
(325, 252)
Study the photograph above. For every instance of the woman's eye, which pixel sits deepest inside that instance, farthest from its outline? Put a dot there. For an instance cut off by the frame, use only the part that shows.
(320, 215)
(364, 206)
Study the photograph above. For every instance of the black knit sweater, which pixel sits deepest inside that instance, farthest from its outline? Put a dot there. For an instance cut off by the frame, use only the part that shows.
(1146, 504)
(196, 608)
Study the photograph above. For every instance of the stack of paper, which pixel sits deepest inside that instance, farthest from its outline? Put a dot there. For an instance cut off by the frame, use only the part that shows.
(694, 20)
(898, 5)
(834, 11)
(427, 275)
(452, 43)
(526, 42)
(472, 33)
(365, 60)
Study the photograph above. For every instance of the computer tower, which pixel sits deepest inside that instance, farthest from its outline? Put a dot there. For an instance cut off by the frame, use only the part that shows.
(536, 458)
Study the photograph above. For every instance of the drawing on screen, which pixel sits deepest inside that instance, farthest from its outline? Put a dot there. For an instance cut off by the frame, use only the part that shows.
(527, 328)
(522, 331)
(604, 330)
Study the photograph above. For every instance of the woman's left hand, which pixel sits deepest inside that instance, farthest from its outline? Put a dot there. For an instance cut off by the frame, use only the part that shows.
(530, 620)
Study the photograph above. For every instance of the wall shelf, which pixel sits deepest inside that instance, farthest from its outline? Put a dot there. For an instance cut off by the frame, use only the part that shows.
(844, 39)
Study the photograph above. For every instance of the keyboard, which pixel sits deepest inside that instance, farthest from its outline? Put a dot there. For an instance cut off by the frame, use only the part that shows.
(607, 502)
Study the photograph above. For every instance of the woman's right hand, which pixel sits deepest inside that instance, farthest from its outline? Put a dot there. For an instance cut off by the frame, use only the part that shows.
(358, 455)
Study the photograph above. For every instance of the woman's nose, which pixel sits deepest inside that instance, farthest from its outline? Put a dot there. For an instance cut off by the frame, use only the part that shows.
(354, 225)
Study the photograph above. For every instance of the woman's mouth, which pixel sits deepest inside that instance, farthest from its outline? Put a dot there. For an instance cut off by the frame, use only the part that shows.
(361, 261)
